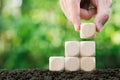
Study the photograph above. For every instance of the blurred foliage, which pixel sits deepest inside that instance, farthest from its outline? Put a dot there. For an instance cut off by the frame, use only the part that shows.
(33, 30)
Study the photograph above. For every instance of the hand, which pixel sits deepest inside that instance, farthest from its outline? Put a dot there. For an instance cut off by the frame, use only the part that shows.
(75, 10)
(103, 11)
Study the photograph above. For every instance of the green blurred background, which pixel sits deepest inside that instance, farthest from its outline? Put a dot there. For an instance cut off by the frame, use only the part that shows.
(33, 30)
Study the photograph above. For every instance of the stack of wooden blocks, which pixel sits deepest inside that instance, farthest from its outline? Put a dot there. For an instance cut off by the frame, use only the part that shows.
(79, 55)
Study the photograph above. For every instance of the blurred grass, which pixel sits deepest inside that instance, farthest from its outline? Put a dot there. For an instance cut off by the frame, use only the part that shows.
(33, 30)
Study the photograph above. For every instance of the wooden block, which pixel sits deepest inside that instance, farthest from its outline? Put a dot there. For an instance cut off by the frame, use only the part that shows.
(87, 63)
(72, 63)
(72, 48)
(87, 48)
(87, 30)
(56, 63)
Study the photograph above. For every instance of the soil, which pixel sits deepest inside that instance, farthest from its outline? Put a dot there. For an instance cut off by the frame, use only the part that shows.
(37, 74)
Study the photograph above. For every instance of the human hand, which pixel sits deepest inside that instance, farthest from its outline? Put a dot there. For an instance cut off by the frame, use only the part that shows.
(103, 11)
(75, 10)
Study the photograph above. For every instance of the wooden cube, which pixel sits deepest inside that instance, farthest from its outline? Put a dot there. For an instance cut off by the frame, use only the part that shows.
(87, 63)
(87, 48)
(87, 30)
(72, 48)
(72, 63)
(56, 63)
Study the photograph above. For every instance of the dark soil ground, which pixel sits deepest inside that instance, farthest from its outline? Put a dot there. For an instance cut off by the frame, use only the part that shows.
(37, 74)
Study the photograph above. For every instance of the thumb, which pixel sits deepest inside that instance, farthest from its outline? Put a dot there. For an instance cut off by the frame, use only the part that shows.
(100, 20)
(103, 12)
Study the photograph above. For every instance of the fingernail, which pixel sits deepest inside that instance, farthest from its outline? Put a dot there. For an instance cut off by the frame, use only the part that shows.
(99, 27)
(76, 27)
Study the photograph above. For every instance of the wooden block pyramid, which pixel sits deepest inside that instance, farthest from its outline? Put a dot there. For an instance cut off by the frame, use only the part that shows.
(79, 55)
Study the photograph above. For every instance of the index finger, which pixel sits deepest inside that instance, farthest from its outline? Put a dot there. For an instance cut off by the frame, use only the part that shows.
(74, 9)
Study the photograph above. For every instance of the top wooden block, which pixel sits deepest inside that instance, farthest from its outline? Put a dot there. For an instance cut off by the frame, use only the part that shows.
(87, 30)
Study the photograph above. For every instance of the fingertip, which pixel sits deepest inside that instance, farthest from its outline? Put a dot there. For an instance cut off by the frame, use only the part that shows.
(98, 27)
(76, 27)
(98, 30)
